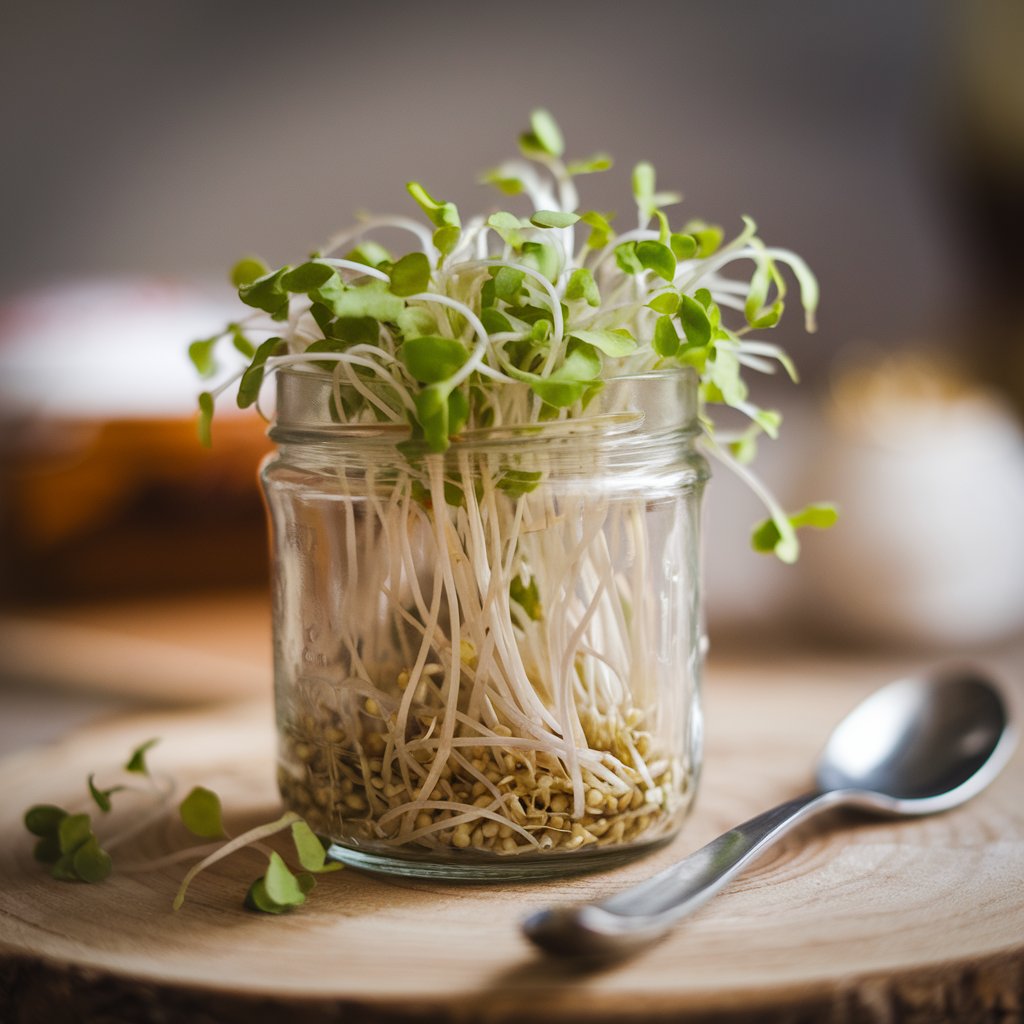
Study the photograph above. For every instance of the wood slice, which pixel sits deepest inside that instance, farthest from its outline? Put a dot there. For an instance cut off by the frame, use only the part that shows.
(852, 919)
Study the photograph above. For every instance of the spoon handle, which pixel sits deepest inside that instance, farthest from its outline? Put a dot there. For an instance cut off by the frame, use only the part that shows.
(636, 916)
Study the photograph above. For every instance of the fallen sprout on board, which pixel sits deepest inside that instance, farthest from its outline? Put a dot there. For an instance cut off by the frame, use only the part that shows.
(69, 844)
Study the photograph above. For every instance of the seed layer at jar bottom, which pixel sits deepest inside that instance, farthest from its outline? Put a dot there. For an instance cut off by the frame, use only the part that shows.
(493, 802)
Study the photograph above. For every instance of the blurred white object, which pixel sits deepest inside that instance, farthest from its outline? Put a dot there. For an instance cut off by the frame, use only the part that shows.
(928, 473)
(106, 347)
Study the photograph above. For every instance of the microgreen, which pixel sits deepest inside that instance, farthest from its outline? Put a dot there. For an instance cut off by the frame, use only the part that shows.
(512, 296)
(102, 796)
(137, 761)
(69, 846)
(201, 813)
(773, 536)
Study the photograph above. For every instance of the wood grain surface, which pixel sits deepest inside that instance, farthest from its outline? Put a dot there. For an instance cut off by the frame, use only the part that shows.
(852, 919)
(183, 649)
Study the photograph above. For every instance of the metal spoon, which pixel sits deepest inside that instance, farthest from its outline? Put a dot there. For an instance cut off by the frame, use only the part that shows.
(915, 747)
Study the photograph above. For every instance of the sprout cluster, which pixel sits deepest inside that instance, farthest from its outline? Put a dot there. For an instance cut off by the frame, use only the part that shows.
(491, 681)
(553, 297)
(68, 844)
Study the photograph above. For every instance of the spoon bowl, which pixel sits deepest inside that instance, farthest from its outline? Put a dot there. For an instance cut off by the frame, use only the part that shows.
(918, 746)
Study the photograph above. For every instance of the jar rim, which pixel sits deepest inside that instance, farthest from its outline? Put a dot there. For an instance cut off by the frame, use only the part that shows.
(650, 400)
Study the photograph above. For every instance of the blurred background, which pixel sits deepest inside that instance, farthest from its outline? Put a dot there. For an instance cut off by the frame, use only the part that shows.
(147, 146)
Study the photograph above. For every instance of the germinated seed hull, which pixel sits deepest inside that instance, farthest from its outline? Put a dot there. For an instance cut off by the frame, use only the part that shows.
(489, 799)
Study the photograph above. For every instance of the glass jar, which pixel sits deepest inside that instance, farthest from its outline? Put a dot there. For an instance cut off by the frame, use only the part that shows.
(487, 661)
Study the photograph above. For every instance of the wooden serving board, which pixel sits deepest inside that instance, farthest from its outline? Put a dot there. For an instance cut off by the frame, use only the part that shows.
(850, 920)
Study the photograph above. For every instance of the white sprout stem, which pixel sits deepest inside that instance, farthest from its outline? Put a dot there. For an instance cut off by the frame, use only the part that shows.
(361, 268)
(806, 280)
(342, 357)
(245, 839)
(775, 510)
(540, 195)
(169, 859)
(163, 794)
(372, 223)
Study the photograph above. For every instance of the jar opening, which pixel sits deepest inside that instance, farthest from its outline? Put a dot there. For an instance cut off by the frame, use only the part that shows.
(312, 403)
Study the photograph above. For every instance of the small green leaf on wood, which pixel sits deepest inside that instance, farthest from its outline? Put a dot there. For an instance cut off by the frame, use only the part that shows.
(137, 761)
(201, 814)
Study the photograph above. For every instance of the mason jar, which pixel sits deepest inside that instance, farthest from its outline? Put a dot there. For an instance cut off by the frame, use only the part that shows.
(487, 660)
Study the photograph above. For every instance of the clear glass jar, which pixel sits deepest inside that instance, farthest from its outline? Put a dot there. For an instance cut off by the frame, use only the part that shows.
(487, 661)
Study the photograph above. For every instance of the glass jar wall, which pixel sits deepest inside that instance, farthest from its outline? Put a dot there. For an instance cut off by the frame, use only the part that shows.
(487, 660)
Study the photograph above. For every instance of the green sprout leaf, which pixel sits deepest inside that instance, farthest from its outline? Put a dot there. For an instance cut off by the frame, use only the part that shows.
(527, 596)
(369, 253)
(308, 277)
(656, 257)
(310, 851)
(568, 384)
(509, 227)
(102, 796)
(696, 325)
(517, 482)
(204, 424)
(410, 275)
(44, 819)
(430, 359)
(415, 321)
(508, 282)
(708, 236)
(73, 830)
(616, 343)
(47, 850)
(247, 270)
(643, 188)
(373, 299)
(627, 259)
(544, 137)
(590, 165)
(601, 232)
(581, 285)
(252, 379)
(446, 238)
(259, 900)
(683, 246)
(666, 340)
(267, 293)
(91, 863)
(553, 219)
(507, 183)
(241, 341)
(769, 420)
(441, 214)
(779, 537)
(201, 354)
(542, 257)
(137, 761)
(201, 814)
(432, 414)
(282, 886)
(666, 303)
